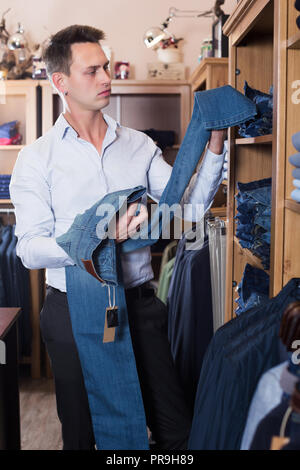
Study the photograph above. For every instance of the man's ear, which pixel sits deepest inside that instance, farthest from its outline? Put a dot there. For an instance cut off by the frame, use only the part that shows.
(59, 81)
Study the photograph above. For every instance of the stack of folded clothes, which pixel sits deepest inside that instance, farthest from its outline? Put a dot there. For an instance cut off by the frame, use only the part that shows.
(254, 218)
(9, 134)
(295, 160)
(4, 186)
(163, 139)
(253, 289)
(262, 123)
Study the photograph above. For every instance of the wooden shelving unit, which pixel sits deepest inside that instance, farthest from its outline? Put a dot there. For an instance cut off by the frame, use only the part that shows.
(263, 139)
(21, 104)
(264, 44)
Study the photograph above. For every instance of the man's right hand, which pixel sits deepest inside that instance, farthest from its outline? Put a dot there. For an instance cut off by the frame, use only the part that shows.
(128, 224)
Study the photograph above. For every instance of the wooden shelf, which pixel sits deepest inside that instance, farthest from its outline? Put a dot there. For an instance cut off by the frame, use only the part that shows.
(263, 139)
(292, 205)
(253, 260)
(293, 42)
(11, 147)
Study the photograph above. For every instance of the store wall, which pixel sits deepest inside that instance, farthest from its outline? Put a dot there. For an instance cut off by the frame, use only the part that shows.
(123, 21)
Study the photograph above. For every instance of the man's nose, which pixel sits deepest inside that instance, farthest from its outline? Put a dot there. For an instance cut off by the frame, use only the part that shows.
(104, 77)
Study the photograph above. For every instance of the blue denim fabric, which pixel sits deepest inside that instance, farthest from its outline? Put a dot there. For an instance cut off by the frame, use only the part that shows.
(8, 129)
(296, 173)
(253, 288)
(296, 195)
(262, 124)
(295, 160)
(109, 369)
(254, 218)
(296, 141)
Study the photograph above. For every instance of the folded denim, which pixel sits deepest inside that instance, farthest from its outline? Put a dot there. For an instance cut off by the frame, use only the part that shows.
(9, 129)
(263, 221)
(296, 195)
(262, 124)
(296, 183)
(296, 141)
(295, 159)
(109, 369)
(253, 280)
(296, 173)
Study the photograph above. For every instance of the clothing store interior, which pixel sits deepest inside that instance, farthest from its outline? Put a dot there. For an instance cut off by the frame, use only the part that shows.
(150, 225)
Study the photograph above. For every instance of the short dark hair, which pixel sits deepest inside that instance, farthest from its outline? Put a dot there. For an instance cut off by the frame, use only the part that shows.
(57, 55)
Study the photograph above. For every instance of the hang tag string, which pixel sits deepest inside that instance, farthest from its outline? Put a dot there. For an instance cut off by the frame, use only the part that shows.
(114, 296)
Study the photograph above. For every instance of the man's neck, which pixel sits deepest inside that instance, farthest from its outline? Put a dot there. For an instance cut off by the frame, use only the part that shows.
(89, 126)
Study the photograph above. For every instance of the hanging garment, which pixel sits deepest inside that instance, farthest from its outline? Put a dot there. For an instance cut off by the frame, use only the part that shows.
(214, 109)
(268, 395)
(6, 239)
(271, 424)
(271, 389)
(239, 353)
(15, 287)
(217, 252)
(164, 281)
(168, 253)
(190, 322)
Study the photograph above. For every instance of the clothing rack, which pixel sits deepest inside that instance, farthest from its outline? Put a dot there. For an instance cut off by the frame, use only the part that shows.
(37, 282)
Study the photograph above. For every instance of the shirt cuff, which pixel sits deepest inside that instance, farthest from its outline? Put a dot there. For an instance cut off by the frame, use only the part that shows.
(213, 163)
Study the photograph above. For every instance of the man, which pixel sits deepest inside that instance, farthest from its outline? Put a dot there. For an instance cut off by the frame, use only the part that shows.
(85, 155)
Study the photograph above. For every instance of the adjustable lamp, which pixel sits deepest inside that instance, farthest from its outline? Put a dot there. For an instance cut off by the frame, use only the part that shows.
(154, 35)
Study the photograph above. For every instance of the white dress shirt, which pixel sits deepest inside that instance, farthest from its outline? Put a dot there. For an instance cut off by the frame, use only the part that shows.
(61, 175)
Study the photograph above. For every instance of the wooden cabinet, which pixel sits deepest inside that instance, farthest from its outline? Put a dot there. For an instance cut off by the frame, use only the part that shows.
(210, 73)
(264, 50)
(19, 102)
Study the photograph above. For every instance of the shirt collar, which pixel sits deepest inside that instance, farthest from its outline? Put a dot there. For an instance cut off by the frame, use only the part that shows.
(62, 126)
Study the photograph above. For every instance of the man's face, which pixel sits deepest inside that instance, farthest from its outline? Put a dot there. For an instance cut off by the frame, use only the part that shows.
(89, 81)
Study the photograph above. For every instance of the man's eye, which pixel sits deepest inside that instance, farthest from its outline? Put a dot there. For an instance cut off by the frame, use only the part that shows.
(92, 73)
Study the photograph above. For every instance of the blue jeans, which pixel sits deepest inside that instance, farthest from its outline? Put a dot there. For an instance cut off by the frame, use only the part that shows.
(262, 124)
(253, 288)
(254, 218)
(109, 369)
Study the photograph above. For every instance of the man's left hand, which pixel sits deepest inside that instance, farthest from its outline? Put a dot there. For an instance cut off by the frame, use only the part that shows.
(216, 142)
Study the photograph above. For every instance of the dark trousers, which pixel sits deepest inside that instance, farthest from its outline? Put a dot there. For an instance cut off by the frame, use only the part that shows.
(167, 414)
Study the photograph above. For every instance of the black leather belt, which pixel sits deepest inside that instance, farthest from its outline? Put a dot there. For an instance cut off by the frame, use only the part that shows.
(144, 290)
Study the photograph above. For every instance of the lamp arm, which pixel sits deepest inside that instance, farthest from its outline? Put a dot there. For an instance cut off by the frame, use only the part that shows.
(189, 13)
